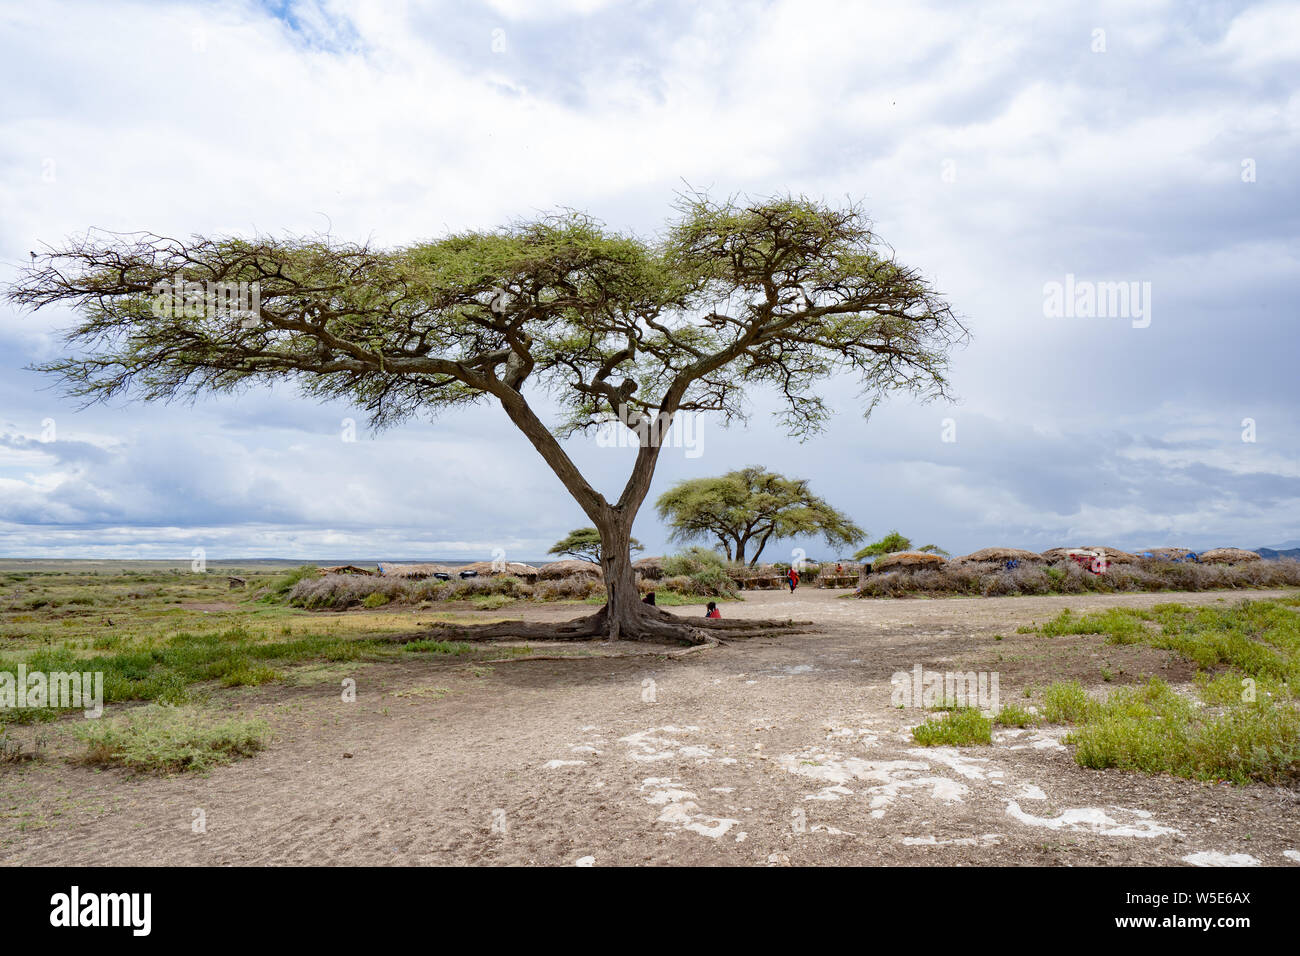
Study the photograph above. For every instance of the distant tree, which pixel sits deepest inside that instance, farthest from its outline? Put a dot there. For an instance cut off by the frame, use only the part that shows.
(933, 549)
(556, 312)
(584, 544)
(752, 506)
(887, 545)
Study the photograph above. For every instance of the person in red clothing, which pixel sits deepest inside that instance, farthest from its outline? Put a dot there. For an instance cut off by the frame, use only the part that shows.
(793, 577)
(712, 610)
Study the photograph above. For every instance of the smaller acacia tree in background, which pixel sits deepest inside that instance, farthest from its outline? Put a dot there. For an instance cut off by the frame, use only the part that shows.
(750, 507)
(893, 542)
(584, 544)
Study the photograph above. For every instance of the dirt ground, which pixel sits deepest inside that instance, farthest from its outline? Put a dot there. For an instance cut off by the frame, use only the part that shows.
(767, 751)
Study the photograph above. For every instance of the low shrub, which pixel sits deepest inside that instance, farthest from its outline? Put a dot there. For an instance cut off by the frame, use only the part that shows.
(1067, 577)
(164, 739)
(958, 728)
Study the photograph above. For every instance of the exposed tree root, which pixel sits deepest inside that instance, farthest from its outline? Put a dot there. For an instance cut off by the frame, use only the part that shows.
(647, 624)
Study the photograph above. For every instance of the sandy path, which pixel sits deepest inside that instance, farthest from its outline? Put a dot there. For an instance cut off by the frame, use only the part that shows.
(783, 748)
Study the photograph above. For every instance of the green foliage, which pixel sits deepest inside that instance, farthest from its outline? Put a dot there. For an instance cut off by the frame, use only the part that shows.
(958, 728)
(280, 587)
(584, 544)
(1250, 728)
(887, 545)
(744, 509)
(698, 572)
(1067, 703)
(1013, 715)
(163, 739)
(1155, 730)
(692, 561)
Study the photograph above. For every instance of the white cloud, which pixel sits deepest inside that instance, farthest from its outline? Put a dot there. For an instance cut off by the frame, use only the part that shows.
(398, 121)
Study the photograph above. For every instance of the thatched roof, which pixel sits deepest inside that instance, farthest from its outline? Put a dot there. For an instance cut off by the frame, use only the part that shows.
(907, 559)
(999, 554)
(652, 567)
(516, 568)
(568, 569)
(414, 570)
(1113, 555)
(345, 569)
(1164, 554)
(1228, 556)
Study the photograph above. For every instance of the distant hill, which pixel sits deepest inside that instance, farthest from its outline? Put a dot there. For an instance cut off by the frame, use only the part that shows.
(1272, 554)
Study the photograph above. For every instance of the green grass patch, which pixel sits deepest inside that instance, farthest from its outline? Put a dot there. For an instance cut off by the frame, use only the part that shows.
(1153, 729)
(162, 739)
(958, 728)
(1013, 715)
(1066, 702)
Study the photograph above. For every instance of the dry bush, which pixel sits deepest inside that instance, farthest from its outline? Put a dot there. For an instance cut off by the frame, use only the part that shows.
(1067, 577)
(338, 592)
(577, 588)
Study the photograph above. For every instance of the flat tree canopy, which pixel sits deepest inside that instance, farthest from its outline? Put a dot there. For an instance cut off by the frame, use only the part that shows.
(895, 542)
(779, 293)
(584, 544)
(751, 506)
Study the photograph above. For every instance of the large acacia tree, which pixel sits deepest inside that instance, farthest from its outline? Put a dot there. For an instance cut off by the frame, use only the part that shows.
(747, 508)
(779, 293)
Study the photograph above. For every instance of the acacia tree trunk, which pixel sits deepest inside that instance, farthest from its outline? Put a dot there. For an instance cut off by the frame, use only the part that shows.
(623, 617)
(623, 607)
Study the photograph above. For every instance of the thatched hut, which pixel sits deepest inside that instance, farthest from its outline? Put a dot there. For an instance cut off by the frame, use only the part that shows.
(417, 571)
(569, 569)
(515, 569)
(1165, 554)
(1000, 555)
(1112, 555)
(1053, 555)
(1228, 556)
(345, 569)
(652, 569)
(907, 559)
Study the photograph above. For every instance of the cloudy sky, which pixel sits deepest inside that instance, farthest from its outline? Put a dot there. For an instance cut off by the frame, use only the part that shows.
(999, 147)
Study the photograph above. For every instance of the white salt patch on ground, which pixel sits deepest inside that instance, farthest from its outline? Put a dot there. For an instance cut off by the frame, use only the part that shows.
(1215, 858)
(584, 749)
(987, 839)
(661, 743)
(830, 830)
(556, 764)
(585, 861)
(830, 793)
(950, 791)
(687, 816)
(1095, 820)
(681, 810)
(892, 777)
(967, 767)
(1038, 739)
(1292, 855)
(799, 669)
(1030, 792)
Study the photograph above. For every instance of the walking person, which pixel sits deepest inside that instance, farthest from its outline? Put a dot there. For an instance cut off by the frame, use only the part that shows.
(792, 576)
